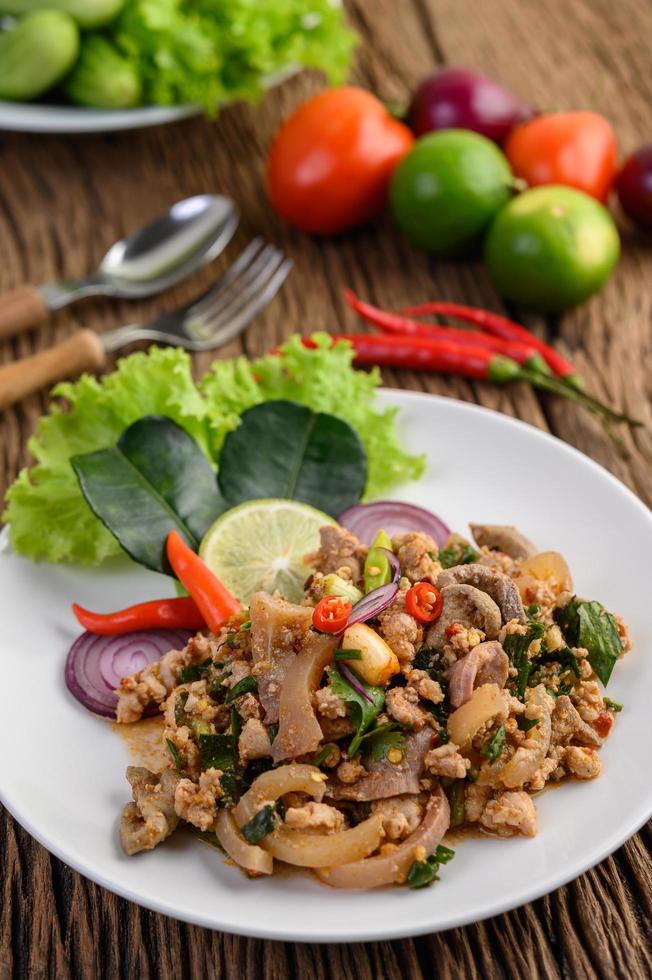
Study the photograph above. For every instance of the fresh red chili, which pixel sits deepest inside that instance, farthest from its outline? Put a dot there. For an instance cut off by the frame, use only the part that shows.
(171, 614)
(213, 599)
(501, 326)
(396, 323)
(331, 614)
(423, 601)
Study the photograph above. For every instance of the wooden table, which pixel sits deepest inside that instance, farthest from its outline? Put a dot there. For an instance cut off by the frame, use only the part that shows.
(63, 200)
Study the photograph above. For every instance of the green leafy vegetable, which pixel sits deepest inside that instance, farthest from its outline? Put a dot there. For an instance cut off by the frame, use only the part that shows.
(323, 754)
(362, 711)
(200, 726)
(174, 752)
(424, 873)
(615, 706)
(194, 672)
(154, 480)
(456, 802)
(457, 554)
(493, 749)
(260, 825)
(208, 837)
(344, 654)
(589, 625)
(282, 449)
(46, 511)
(381, 739)
(516, 646)
(219, 752)
(245, 686)
(525, 724)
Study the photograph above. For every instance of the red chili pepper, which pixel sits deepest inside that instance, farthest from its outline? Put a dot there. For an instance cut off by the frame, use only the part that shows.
(213, 599)
(396, 323)
(331, 614)
(423, 602)
(501, 326)
(171, 614)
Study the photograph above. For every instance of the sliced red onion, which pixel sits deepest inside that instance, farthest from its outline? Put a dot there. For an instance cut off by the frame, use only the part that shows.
(96, 664)
(373, 604)
(393, 516)
(394, 563)
(351, 679)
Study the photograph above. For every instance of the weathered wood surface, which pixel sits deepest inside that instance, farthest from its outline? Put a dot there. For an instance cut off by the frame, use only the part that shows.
(63, 200)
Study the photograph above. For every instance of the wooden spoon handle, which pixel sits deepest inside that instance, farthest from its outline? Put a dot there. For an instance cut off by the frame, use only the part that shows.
(83, 351)
(20, 309)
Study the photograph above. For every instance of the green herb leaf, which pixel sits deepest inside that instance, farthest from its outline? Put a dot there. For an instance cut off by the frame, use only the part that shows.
(381, 739)
(423, 873)
(491, 750)
(456, 801)
(525, 724)
(457, 554)
(516, 646)
(180, 708)
(174, 752)
(208, 837)
(194, 672)
(323, 754)
(272, 732)
(260, 825)
(245, 686)
(154, 480)
(219, 752)
(589, 625)
(613, 705)
(282, 449)
(344, 654)
(423, 659)
(362, 711)
(236, 722)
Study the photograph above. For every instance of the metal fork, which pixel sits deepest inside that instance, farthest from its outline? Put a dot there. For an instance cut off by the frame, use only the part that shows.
(208, 322)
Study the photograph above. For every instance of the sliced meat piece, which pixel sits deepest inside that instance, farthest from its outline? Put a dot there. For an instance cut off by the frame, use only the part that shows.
(151, 817)
(278, 631)
(386, 778)
(503, 537)
(485, 664)
(497, 585)
(339, 549)
(568, 725)
(466, 605)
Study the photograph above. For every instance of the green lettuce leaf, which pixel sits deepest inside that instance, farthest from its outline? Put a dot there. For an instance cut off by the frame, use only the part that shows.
(214, 51)
(48, 516)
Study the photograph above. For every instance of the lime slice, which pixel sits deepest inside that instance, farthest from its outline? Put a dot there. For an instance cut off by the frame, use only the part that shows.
(260, 546)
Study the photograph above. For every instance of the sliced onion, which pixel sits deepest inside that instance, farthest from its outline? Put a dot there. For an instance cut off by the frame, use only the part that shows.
(318, 850)
(252, 858)
(293, 778)
(466, 721)
(96, 664)
(393, 516)
(385, 869)
(351, 679)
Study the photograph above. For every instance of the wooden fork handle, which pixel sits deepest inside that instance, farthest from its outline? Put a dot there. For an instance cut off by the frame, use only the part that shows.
(20, 309)
(83, 351)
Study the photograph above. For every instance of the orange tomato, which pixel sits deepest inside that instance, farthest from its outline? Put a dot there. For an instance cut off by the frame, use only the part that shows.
(329, 165)
(573, 148)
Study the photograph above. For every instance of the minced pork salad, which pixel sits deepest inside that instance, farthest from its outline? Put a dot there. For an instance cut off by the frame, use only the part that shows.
(413, 689)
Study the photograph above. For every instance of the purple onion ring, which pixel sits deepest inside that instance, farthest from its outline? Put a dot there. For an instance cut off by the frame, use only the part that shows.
(394, 517)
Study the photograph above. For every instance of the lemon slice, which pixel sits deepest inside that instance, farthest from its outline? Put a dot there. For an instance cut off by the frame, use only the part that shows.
(260, 546)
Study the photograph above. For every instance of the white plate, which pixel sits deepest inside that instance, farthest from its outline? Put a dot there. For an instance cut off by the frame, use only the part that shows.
(40, 118)
(62, 771)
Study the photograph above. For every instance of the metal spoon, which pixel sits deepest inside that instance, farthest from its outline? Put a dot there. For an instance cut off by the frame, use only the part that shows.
(165, 251)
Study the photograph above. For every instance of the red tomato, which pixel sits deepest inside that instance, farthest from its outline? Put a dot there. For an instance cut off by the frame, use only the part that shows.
(423, 601)
(330, 163)
(331, 614)
(573, 148)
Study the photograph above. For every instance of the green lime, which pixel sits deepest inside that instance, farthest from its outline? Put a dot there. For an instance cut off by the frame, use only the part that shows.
(260, 546)
(448, 188)
(551, 248)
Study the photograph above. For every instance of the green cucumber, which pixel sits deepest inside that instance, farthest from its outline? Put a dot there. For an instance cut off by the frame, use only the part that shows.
(102, 77)
(36, 54)
(87, 13)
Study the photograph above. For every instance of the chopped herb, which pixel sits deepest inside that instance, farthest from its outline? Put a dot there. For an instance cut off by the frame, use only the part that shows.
(236, 722)
(423, 873)
(260, 825)
(246, 626)
(456, 801)
(199, 727)
(245, 686)
(208, 837)
(174, 752)
(564, 657)
(589, 625)
(432, 555)
(380, 740)
(254, 769)
(525, 724)
(523, 668)
(323, 754)
(491, 750)
(532, 610)
(613, 705)
(472, 773)
(180, 707)
(194, 672)
(344, 654)
(443, 736)
(516, 646)
(272, 731)
(457, 554)
(362, 710)
(218, 752)
(423, 659)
